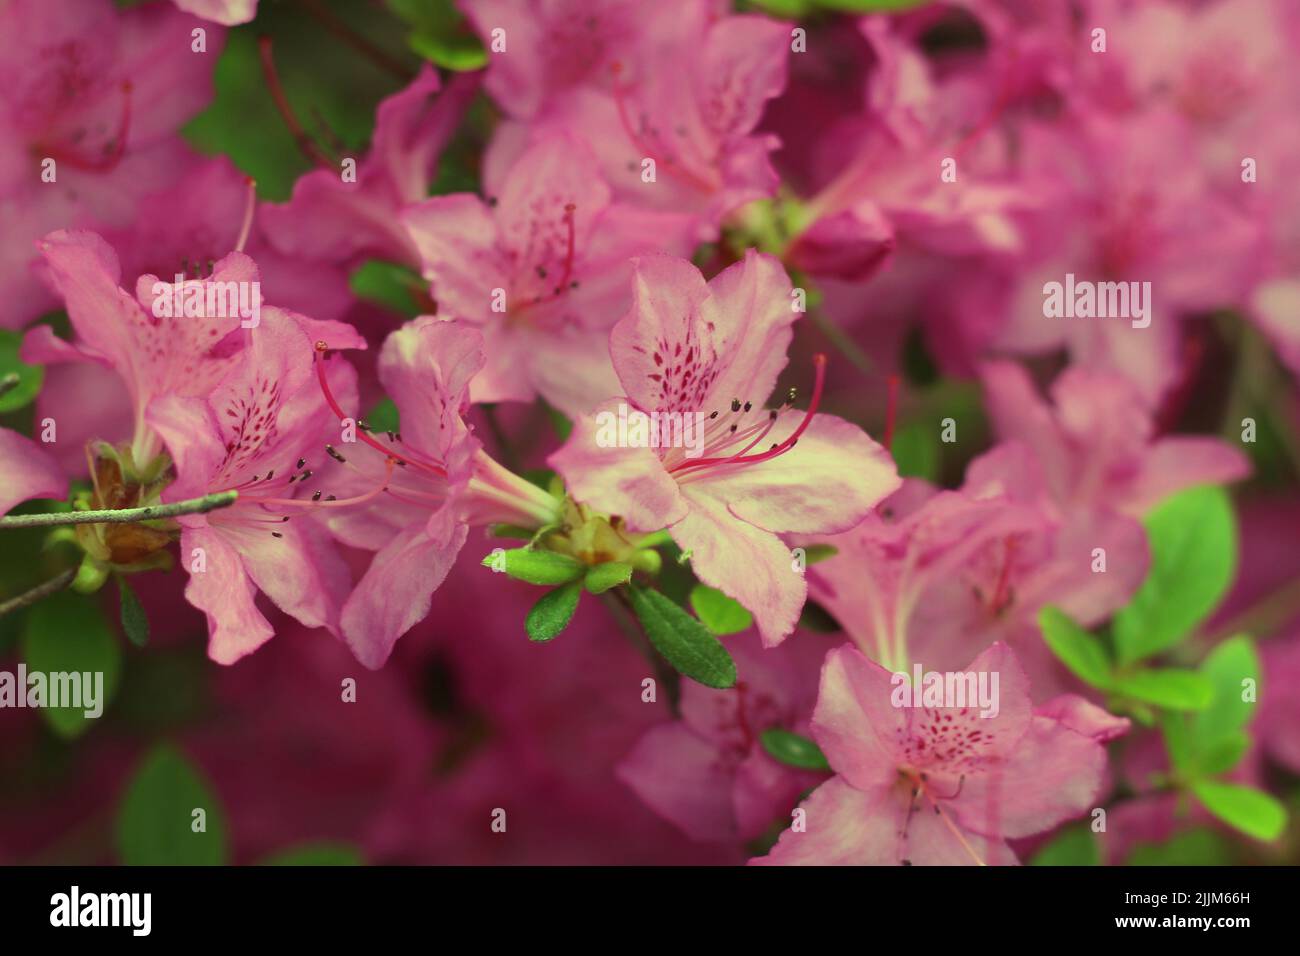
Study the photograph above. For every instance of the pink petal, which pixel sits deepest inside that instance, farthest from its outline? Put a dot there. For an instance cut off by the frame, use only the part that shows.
(682, 777)
(27, 471)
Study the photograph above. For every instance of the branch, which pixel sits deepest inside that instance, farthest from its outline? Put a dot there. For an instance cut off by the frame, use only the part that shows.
(194, 506)
(52, 586)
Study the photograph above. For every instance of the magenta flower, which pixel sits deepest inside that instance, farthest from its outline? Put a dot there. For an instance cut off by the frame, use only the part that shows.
(153, 355)
(330, 218)
(433, 483)
(709, 773)
(942, 785)
(712, 352)
(543, 271)
(695, 122)
(1097, 447)
(260, 432)
(99, 93)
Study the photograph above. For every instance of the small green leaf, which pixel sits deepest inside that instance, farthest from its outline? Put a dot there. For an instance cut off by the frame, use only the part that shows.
(66, 635)
(316, 854)
(818, 552)
(793, 749)
(1221, 754)
(1227, 667)
(440, 34)
(720, 614)
(535, 567)
(1253, 812)
(390, 285)
(611, 574)
(1078, 650)
(683, 641)
(156, 821)
(383, 416)
(1171, 689)
(1073, 846)
(135, 623)
(553, 612)
(560, 422)
(25, 383)
(1193, 537)
(916, 451)
(870, 6)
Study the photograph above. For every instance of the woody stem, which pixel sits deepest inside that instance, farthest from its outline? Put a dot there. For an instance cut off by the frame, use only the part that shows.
(41, 591)
(193, 506)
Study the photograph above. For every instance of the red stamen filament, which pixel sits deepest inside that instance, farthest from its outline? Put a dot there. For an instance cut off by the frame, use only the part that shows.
(434, 469)
(334, 503)
(1001, 592)
(819, 363)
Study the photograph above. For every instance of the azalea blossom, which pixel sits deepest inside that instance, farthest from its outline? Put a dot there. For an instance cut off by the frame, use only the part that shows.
(714, 350)
(942, 785)
(260, 432)
(709, 772)
(425, 487)
(543, 270)
(88, 126)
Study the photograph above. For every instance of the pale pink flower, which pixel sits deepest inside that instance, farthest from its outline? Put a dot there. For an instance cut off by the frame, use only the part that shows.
(27, 471)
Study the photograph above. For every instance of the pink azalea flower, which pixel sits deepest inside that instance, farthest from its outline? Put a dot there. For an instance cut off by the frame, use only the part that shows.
(555, 247)
(695, 121)
(435, 482)
(1279, 719)
(942, 785)
(713, 351)
(928, 571)
(153, 355)
(256, 431)
(708, 772)
(27, 471)
(100, 91)
(1098, 447)
(330, 219)
(1140, 212)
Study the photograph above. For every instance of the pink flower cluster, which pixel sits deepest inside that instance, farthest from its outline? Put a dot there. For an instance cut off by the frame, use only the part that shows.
(685, 211)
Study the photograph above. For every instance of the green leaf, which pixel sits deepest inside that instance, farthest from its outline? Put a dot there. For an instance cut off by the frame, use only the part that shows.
(870, 6)
(1171, 689)
(535, 567)
(793, 749)
(818, 552)
(560, 422)
(1078, 650)
(1073, 846)
(786, 9)
(1226, 667)
(67, 634)
(26, 382)
(916, 451)
(135, 623)
(440, 34)
(1199, 847)
(720, 614)
(388, 284)
(1220, 755)
(317, 854)
(1193, 537)
(1253, 812)
(611, 574)
(156, 821)
(383, 416)
(553, 612)
(683, 641)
